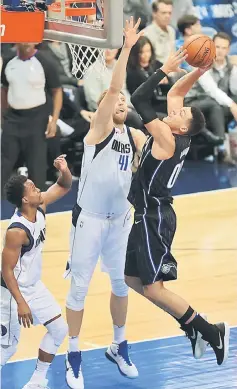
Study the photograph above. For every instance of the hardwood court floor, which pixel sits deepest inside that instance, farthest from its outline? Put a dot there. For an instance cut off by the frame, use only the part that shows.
(205, 247)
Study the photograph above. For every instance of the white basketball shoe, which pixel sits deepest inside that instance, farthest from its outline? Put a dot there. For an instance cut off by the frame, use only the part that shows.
(74, 375)
(118, 353)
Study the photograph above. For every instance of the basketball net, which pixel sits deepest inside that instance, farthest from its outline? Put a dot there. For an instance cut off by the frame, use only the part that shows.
(88, 59)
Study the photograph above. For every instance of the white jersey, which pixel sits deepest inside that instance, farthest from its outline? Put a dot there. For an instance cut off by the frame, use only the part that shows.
(106, 174)
(29, 264)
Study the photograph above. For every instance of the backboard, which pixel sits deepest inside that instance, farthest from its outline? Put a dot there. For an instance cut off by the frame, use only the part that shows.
(94, 23)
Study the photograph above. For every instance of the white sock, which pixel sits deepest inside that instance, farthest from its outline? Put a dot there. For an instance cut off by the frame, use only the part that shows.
(119, 334)
(73, 344)
(40, 372)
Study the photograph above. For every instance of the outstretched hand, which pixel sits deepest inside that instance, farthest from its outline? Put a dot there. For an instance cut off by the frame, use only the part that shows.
(131, 34)
(174, 60)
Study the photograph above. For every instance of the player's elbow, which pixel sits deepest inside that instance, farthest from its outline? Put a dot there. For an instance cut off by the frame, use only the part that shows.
(173, 94)
(65, 190)
(135, 98)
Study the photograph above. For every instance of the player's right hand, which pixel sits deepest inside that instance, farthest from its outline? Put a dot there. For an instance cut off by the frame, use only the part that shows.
(24, 314)
(174, 60)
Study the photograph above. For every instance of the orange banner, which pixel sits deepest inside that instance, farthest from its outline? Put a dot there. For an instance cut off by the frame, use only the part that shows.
(22, 27)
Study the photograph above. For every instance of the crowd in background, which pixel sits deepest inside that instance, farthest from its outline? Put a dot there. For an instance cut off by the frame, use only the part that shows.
(65, 118)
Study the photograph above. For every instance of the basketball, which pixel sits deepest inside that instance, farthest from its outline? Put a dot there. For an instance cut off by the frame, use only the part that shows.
(201, 50)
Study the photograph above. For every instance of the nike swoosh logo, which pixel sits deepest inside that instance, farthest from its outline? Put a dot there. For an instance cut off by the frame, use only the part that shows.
(139, 221)
(221, 344)
(113, 353)
(194, 335)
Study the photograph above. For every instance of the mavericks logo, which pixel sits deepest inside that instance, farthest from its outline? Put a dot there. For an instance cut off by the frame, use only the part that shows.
(41, 237)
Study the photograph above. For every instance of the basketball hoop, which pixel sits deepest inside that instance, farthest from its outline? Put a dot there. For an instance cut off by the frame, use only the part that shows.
(89, 27)
(89, 17)
(22, 27)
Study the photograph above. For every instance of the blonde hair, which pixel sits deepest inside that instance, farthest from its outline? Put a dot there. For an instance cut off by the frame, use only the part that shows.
(103, 95)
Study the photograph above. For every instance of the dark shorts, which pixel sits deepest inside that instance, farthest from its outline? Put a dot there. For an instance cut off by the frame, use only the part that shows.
(149, 244)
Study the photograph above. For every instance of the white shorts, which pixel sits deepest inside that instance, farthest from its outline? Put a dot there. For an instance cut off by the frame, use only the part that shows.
(42, 304)
(95, 236)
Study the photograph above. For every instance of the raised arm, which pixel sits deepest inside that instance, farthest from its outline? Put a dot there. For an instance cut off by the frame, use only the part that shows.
(63, 184)
(14, 240)
(102, 123)
(141, 99)
(175, 97)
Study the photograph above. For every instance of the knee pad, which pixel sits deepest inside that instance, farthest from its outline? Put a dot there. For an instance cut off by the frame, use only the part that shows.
(119, 288)
(8, 351)
(76, 297)
(58, 329)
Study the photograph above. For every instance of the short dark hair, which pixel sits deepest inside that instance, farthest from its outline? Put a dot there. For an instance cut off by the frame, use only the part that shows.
(197, 122)
(14, 190)
(185, 22)
(222, 35)
(155, 4)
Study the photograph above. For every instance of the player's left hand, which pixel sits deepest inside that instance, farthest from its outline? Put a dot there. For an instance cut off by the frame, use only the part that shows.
(51, 128)
(131, 34)
(174, 60)
(60, 163)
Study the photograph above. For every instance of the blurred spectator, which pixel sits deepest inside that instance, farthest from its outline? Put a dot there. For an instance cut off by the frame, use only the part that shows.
(188, 25)
(141, 65)
(98, 79)
(61, 54)
(212, 94)
(137, 9)
(75, 115)
(181, 8)
(31, 91)
(221, 84)
(223, 72)
(160, 33)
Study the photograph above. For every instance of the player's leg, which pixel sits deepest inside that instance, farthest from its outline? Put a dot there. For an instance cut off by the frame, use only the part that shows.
(113, 262)
(191, 322)
(154, 263)
(46, 311)
(10, 327)
(86, 236)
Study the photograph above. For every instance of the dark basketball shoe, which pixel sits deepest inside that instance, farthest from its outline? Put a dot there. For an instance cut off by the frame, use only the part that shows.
(199, 345)
(222, 348)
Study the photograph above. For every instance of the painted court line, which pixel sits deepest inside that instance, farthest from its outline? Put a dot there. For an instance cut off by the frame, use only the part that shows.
(209, 192)
(107, 345)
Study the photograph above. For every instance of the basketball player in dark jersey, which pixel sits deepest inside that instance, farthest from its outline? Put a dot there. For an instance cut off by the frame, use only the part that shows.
(149, 261)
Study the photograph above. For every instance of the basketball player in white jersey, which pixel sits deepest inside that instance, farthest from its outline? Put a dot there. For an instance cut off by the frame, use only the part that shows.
(24, 298)
(102, 219)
